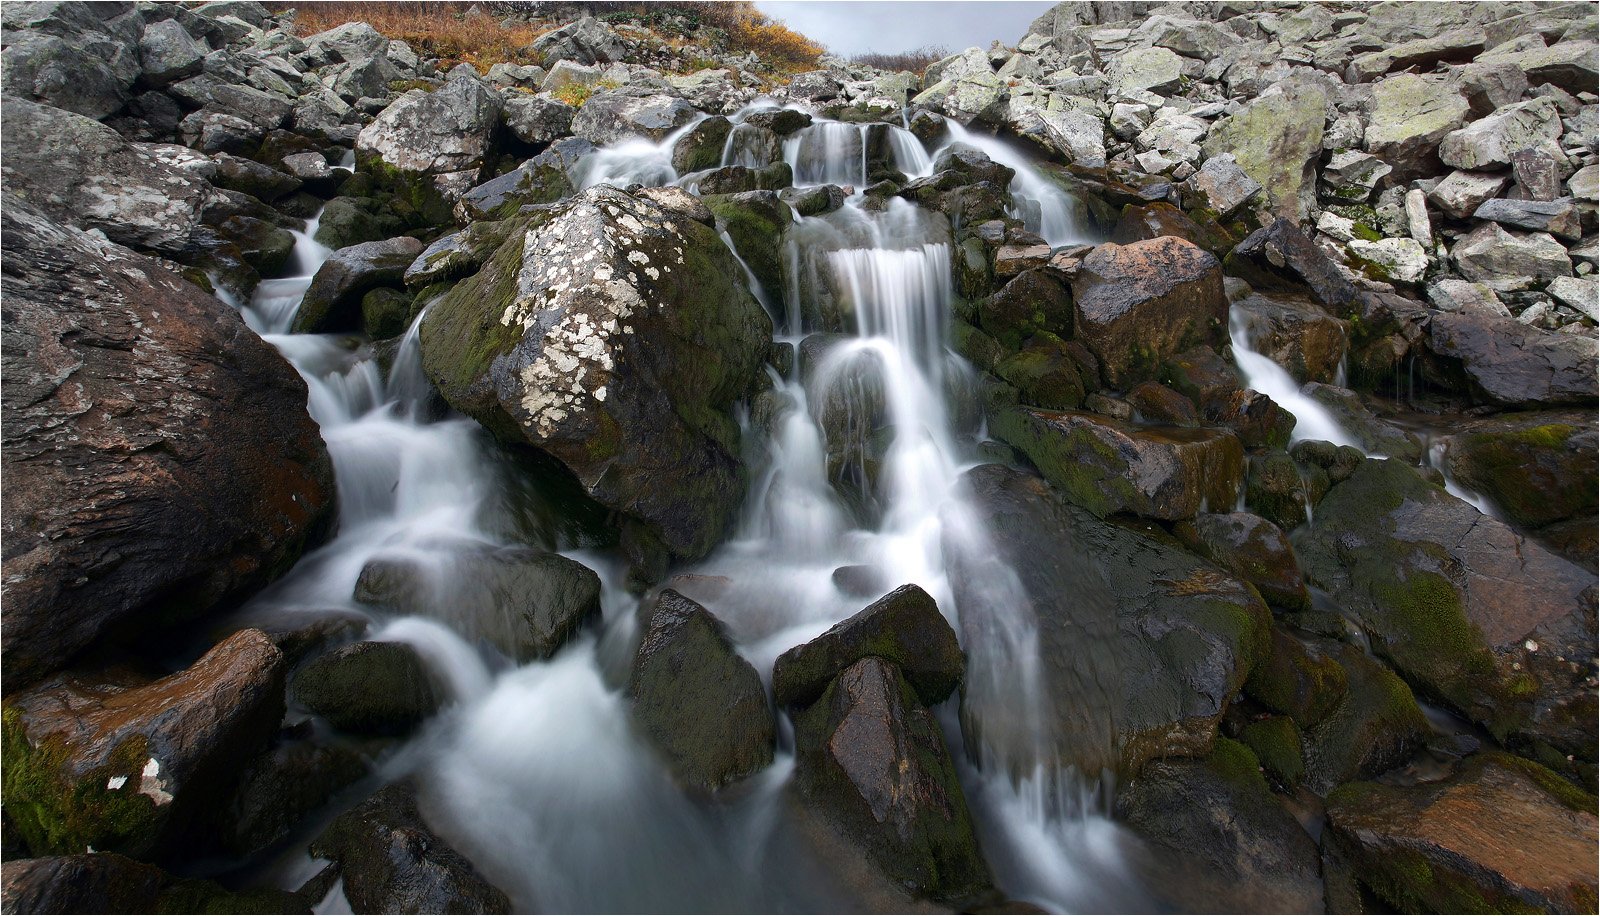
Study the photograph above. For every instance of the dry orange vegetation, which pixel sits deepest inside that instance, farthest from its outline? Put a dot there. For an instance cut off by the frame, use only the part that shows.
(442, 30)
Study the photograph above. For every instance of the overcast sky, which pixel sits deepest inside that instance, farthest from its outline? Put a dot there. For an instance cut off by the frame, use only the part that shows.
(849, 28)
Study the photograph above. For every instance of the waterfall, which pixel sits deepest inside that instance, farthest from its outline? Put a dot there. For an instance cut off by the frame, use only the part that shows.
(1043, 207)
(1312, 420)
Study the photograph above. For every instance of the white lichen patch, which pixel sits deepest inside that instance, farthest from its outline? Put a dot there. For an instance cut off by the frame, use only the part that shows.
(116, 782)
(152, 785)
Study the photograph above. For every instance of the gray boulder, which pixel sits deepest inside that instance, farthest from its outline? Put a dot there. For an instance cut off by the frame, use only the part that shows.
(168, 53)
(587, 41)
(84, 71)
(1557, 217)
(1410, 116)
(1508, 261)
(436, 141)
(1488, 144)
(611, 116)
(333, 300)
(368, 688)
(536, 119)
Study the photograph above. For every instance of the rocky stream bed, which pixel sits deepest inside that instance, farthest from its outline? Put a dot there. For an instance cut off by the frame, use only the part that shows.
(1150, 467)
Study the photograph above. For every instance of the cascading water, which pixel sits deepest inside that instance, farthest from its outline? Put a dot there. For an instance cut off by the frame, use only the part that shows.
(535, 773)
(1043, 207)
(1312, 420)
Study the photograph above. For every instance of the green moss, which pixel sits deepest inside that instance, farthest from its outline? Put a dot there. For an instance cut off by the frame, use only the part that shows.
(1569, 795)
(60, 811)
(1276, 743)
(1366, 233)
(1087, 471)
(1236, 763)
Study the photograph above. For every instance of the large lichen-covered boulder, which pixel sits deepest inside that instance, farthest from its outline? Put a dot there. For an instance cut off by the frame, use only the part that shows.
(523, 601)
(1222, 833)
(1141, 303)
(118, 764)
(1499, 835)
(696, 700)
(1142, 646)
(871, 762)
(84, 174)
(616, 336)
(159, 457)
(611, 116)
(904, 627)
(1467, 610)
(432, 146)
(1108, 466)
(391, 861)
(1410, 115)
(1277, 140)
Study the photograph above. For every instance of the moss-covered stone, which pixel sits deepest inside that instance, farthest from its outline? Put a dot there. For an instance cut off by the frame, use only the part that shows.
(1374, 728)
(1276, 743)
(1537, 468)
(757, 222)
(1045, 375)
(1296, 681)
(369, 688)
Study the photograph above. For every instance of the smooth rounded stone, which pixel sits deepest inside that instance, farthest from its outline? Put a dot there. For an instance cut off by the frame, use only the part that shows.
(871, 764)
(1507, 261)
(168, 53)
(110, 761)
(536, 119)
(814, 201)
(1465, 608)
(861, 581)
(1034, 302)
(1488, 143)
(1047, 375)
(1558, 217)
(282, 787)
(199, 479)
(586, 41)
(1276, 139)
(1410, 116)
(1295, 333)
(904, 627)
(347, 221)
(1500, 833)
(1377, 436)
(1299, 680)
(701, 147)
(1390, 260)
(1460, 194)
(1221, 834)
(1138, 304)
(1501, 361)
(523, 601)
(1375, 726)
(696, 700)
(1221, 186)
(368, 688)
(1253, 549)
(1108, 466)
(1279, 257)
(1142, 645)
(608, 117)
(391, 861)
(105, 882)
(1535, 468)
(1160, 405)
(333, 300)
(82, 173)
(625, 368)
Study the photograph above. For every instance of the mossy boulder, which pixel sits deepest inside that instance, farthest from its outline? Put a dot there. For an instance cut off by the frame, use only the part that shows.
(113, 762)
(616, 336)
(1375, 727)
(1377, 436)
(1537, 468)
(1500, 835)
(385, 312)
(1278, 490)
(1294, 332)
(756, 221)
(696, 699)
(523, 601)
(1471, 613)
(1033, 302)
(430, 147)
(1045, 376)
(1142, 645)
(1276, 138)
(701, 146)
(1275, 740)
(369, 688)
(1297, 680)
(1139, 304)
(1108, 466)
(544, 179)
(347, 221)
(333, 301)
(872, 764)
(904, 627)
(1253, 549)
(282, 787)
(1220, 833)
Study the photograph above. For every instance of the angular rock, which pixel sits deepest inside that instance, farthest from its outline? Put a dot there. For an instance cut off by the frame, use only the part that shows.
(696, 700)
(1410, 116)
(623, 365)
(1293, 332)
(1280, 257)
(390, 861)
(1577, 293)
(1352, 175)
(1390, 260)
(1221, 186)
(105, 882)
(1222, 833)
(1472, 613)
(536, 119)
(1557, 217)
(611, 116)
(1508, 262)
(333, 300)
(1253, 549)
(1501, 361)
(88, 73)
(587, 41)
(1453, 46)
(1143, 69)
(903, 627)
(1142, 644)
(1277, 140)
(1375, 726)
(1461, 193)
(168, 53)
(1138, 304)
(196, 478)
(433, 144)
(1451, 295)
(1488, 143)
(701, 147)
(524, 602)
(1567, 64)
(369, 688)
(872, 764)
(1500, 833)
(544, 179)
(119, 764)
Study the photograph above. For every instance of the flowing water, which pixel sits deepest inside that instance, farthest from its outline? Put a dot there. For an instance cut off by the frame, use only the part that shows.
(534, 771)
